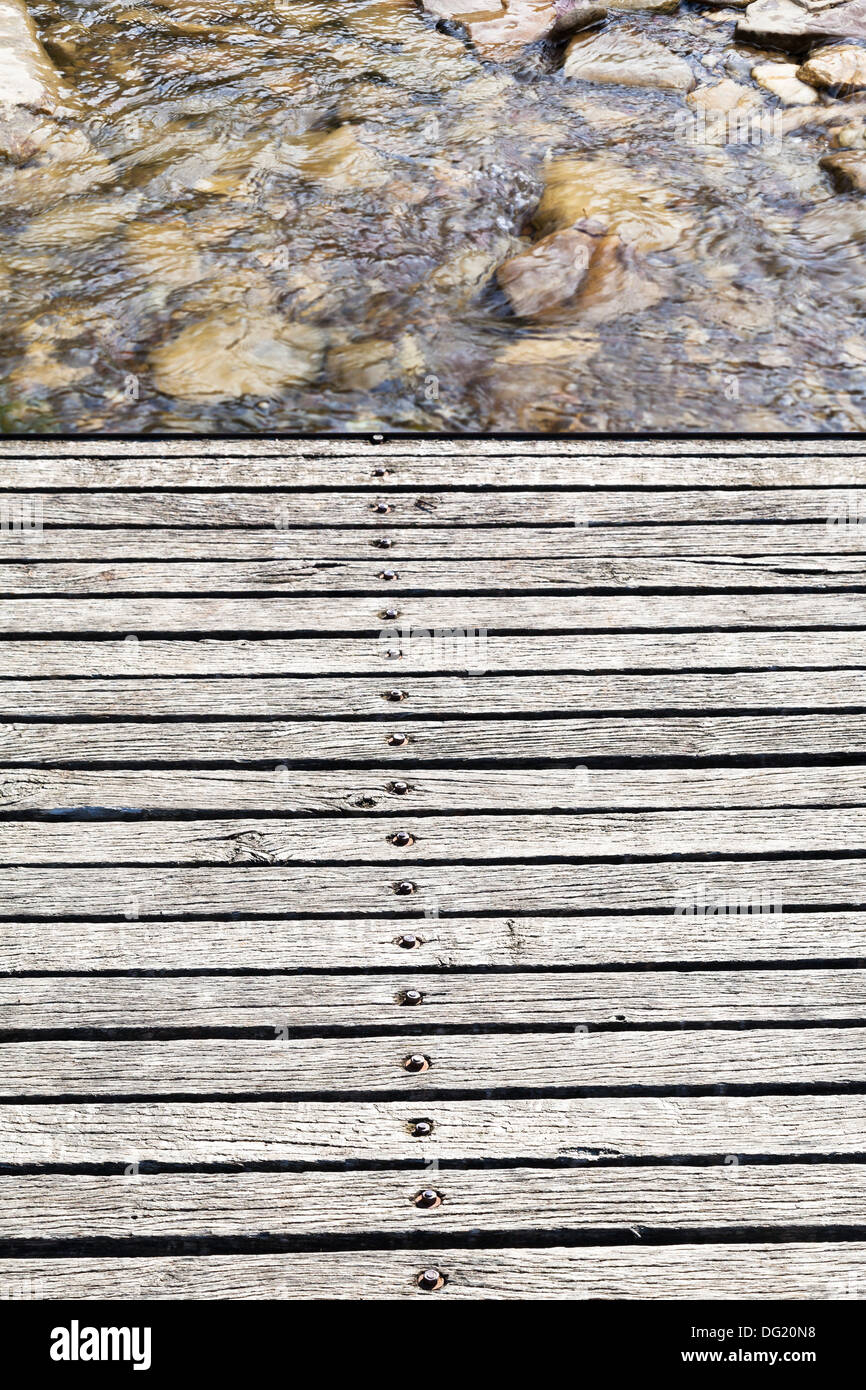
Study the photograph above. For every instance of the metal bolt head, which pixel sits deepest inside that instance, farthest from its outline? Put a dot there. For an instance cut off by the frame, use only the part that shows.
(380, 507)
(395, 696)
(383, 542)
(378, 472)
(421, 1128)
(389, 613)
(401, 837)
(404, 888)
(427, 1198)
(408, 941)
(416, 1062)
(389, 574)
(394, 653)
(398, 788)
(429, 1280)
(411, 996)
(398, 740)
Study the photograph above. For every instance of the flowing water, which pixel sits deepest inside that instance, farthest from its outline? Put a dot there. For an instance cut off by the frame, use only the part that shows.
(290, 216)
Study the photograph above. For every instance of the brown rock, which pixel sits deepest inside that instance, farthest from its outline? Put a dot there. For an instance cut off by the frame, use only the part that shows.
(842, 67)
(237, 353)
(603, 188)
(847, 170)
(626, 58)
(527, 21)
(616, 284)
(548, 274)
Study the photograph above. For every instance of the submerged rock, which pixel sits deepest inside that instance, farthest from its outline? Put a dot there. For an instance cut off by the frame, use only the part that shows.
(787, 24)
(781, 79)
(576, 189)
(842, 67)
(616, 283)
(237, 353)
(724, 96)
(847, 170)
(628, 59)
(548, 274)
(523, 22)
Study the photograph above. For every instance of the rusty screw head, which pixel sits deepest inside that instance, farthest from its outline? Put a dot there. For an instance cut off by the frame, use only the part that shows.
(395, 696)
(408, 941)
(421, 1128)
(430, 1280)
(398, 740)
(411, 996)
(416, 1062)
(398, 788)
(427, 1198)
(401, 837)
(404, 888)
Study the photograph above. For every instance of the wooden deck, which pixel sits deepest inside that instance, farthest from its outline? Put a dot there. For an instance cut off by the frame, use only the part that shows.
(433, 870)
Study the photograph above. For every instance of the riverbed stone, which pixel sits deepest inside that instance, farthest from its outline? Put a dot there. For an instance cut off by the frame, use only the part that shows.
(620, 201)
(616, 283)
(841, 67)
(237, 353)
(724, 97)
(526, 21)
(27, 75)
(794, 26)
(781, 79)
(847, 169)
(627, 58)
(548, 273)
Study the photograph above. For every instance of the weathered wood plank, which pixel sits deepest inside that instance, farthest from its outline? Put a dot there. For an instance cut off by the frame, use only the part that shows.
(361, 943)
(212, 1132)
(521, 999)
(437, 838)
(470, 887)
(401, 617)
(543, 693)
(444, 576)
(765, 1271)
(721, 1197)
(393, 659)
(412, 741)
(477, 1063)
(767, 541)
(442, 508)
(406, 791)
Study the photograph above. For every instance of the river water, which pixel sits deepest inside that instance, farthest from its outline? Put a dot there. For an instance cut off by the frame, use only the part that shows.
(290, 216)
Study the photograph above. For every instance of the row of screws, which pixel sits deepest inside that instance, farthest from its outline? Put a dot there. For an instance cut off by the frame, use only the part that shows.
(428, 1280)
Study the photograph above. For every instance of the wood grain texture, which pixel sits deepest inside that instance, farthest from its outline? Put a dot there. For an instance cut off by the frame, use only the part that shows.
(312, 1132)
(305, 576)
(392, 660)
(360, 696)
(411, 741)
(435, 838)
(765, 540)
(412, 616)
(285, 790)
(465, 888)
(473, 1063)
(277, 1003)
(719, 1197)
(444, 942)
(743, 1271)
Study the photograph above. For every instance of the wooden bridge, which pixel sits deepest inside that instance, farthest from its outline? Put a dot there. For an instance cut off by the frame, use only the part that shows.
(432, 870)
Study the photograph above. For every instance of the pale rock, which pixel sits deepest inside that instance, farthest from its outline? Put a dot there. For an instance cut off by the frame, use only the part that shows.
(77, 224)
(338, 160)
(615, 284)
(571, 349)
(724, 96)
(847, 169)
(842, 67)
(595, 188)
(781, 79)
(27, 76)
(628, 59)
(790, 25)
(164, 253)
(237, 353)
(548, 274)
(526, 21)
(833, 225)
(851, 136)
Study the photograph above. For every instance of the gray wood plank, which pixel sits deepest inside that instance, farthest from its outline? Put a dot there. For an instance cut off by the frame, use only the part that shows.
(443, 576)
(471, 1063)
(742, 1271)
(444, 508)
(310, 1132)
(470, 887)
(393, 659)
(543, 693)
(766, 541)
(284, 791)
(435, 838)
(411, 741)
(720, 1197)
(409, 618)
(362, 943)
(525, 999)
